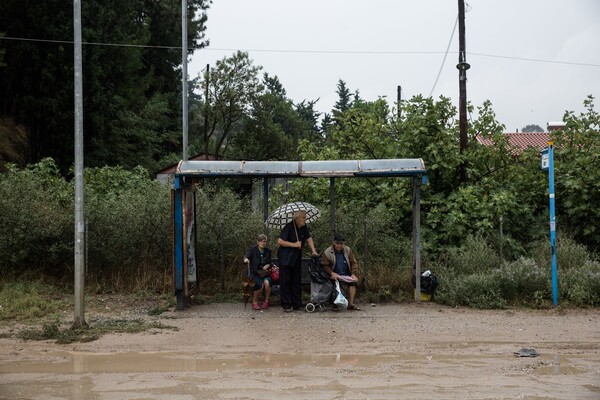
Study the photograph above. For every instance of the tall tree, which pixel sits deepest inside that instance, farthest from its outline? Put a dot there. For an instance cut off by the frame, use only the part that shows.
(123, 78)
(274, 126)
(532, 128)
(344, 99)
(233, 87)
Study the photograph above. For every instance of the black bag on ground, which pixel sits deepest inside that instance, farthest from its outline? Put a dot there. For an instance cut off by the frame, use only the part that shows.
(428, 283)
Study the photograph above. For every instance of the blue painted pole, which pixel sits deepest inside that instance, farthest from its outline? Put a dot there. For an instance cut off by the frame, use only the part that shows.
(552, 223)
(178, 243)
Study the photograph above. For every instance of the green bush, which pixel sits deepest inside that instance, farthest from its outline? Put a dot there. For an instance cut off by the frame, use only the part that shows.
(129, 246)
(225, 227)
(36, 219)
(475, 290)
(581, 286)
(129, 238)
(475, 256)
(520, 280)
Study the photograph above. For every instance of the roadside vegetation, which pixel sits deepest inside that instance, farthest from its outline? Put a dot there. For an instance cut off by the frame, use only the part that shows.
(484, 209)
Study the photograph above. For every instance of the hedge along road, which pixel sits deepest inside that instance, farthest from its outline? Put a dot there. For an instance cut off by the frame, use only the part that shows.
(409, 351)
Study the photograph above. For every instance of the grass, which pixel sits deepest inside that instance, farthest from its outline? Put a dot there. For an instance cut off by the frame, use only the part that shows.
(42, 310)
(25, 300)
(94, 330)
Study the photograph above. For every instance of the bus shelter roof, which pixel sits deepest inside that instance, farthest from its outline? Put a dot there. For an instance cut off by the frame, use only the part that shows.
(316, 169)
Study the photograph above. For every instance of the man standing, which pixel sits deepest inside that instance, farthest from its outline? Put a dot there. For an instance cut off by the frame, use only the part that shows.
(290, 242)
(340, 263)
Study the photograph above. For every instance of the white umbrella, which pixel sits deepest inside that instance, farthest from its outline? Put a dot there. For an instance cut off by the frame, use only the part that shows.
(285, 213)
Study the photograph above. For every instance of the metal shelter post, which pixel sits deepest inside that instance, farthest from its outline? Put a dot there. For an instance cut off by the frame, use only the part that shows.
(178, 259)
(265, 198)
(332, 207)
(417, 235)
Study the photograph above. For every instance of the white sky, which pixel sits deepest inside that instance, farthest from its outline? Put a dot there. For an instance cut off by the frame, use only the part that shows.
(376, 45)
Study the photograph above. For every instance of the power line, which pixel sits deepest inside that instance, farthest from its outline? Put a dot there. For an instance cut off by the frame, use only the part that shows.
(445, 56)
(357, 52)
(90, 43)
(534, 60)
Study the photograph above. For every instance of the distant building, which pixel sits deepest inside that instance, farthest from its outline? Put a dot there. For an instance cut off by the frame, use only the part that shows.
(552, 126)
(523, 140)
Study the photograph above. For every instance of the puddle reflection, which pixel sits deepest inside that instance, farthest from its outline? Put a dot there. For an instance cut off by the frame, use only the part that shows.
(67, 362)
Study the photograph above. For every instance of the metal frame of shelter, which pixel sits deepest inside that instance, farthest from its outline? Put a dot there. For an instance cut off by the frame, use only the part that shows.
(188, 172)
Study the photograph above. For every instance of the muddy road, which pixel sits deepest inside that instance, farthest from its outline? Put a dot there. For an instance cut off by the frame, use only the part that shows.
(392, 351)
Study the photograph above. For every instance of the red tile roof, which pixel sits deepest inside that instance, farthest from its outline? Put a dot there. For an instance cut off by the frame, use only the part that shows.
(522, 140)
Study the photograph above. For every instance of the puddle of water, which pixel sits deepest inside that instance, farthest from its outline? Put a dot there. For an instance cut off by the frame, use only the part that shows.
(76, 362)
(559, 366)
(559, 370)
(134, 362)
(67, 362)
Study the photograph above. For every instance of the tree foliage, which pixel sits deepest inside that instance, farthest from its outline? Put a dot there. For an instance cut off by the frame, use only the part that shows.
(532, 128)
(244, 117)
(232, 88)
(577, 155)
(125, 79)
(504, 191)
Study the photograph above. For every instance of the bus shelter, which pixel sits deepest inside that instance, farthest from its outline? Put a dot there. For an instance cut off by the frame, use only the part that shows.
(185, 268)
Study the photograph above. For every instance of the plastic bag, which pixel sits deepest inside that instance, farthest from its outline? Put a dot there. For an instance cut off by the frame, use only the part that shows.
(340, 299)
(274, 273)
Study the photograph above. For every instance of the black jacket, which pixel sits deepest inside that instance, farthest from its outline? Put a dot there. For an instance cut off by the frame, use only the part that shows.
(253, 254)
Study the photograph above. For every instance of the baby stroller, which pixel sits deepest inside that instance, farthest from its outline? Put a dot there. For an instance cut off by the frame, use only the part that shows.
(321, 287)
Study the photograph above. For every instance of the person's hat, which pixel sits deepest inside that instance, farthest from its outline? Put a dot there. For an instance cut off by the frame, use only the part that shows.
(338, 238)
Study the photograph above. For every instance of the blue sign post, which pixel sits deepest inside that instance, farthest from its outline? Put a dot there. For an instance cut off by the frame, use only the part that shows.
(548, 165)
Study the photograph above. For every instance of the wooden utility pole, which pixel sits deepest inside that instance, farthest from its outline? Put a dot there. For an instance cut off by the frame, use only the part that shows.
(399, 99)
(206, 111)
(462, 66)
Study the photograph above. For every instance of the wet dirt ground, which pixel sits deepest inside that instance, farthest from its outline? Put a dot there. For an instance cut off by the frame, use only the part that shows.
(392, 351)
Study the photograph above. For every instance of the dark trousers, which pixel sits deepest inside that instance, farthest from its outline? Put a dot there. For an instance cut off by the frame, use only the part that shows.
(290, 285)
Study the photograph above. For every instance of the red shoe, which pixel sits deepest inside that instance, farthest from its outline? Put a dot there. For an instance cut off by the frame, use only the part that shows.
(265, 305)
(255, 306)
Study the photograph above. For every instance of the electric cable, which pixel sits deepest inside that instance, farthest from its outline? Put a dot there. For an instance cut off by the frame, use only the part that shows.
(358, 52)
(445, 56)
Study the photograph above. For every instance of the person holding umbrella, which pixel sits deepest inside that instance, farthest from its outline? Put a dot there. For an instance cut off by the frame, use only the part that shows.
(291, 240)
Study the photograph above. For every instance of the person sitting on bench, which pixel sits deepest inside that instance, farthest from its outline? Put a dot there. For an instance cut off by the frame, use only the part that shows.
(340, 263)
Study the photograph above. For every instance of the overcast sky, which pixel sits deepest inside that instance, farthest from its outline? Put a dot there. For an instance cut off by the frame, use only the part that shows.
(533, 59)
